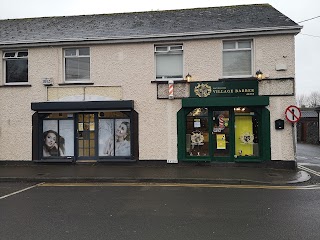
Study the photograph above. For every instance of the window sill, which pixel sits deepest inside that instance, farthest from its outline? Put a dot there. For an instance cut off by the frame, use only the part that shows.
(17, 85)
(167, 81)
(75, 83)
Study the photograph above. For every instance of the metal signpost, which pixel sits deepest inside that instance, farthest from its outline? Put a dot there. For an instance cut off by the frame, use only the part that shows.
(293, 115)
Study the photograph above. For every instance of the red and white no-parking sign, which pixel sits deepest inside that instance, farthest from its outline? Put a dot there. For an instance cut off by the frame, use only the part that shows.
(293, 114)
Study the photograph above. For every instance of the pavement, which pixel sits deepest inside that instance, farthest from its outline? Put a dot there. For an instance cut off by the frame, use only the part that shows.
(146, 172)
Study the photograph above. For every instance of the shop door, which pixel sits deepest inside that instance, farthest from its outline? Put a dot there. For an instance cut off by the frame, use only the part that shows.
(208, 135)
(86, 137)
(221, 138)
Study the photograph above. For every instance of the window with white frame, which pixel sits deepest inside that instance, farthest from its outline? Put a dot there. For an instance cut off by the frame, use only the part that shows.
(237, 58)
(15, 67)
(169, 62)
(77, 64)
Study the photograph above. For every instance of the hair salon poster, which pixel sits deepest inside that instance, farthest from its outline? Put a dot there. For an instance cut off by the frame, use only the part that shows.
(58, 138)
(114, 137)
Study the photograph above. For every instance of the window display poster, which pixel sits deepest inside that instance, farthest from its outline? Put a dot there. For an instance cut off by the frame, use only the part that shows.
(114, 137)
(106, 137)
(221, 141)
(196, 123)
(122, 137)
(50, 138)
(58, 142)
(243, 136)
(66, 131)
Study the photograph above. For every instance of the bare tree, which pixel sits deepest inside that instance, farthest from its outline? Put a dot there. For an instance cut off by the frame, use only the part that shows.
(314, 99)
(301, 100)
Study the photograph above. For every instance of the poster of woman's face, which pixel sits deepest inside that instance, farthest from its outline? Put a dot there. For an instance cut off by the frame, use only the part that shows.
(114, 137)
(106, 137)
(58, 142)
(122, 136)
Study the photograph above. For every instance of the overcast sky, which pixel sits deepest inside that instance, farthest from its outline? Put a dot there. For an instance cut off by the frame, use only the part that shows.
(307, 42)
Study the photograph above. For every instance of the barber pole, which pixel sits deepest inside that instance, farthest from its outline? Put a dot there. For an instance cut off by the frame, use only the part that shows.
(171, 89)
(221, 121)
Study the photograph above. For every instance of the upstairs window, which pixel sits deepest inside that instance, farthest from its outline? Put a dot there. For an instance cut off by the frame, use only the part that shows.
(237, 58)
(16, 67)
(169, 64)
(77, 64)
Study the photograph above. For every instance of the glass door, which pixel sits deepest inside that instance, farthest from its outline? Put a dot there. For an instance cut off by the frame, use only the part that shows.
(86, 136)
(208, 135)
(197, 134)
(221, 142)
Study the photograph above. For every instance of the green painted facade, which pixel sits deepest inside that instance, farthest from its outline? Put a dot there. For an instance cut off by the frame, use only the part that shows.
(226, 102)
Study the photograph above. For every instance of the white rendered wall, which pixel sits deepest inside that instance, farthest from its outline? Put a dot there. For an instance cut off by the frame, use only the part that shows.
(132, 67)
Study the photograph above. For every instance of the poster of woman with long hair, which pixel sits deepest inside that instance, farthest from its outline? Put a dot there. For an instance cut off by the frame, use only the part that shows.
(114, 137)
(58, 142)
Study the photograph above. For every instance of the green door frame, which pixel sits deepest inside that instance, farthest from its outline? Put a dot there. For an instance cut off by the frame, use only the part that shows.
(257, 102)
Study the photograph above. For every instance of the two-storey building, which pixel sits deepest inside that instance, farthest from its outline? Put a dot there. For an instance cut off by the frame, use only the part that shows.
(178, 85)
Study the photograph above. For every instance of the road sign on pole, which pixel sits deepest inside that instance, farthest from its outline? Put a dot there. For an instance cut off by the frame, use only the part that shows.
(293, 114)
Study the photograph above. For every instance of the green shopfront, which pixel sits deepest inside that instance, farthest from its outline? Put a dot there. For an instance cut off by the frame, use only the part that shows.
(225, 121)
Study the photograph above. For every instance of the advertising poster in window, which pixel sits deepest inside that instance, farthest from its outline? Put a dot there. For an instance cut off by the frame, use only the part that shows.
(52, 140)
(114, 137)
(106, 137)
(66, 131)
(122, 137)
(58, 142)
(221, 141)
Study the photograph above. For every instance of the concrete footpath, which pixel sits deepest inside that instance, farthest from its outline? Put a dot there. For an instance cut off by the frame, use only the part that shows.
(137, 172)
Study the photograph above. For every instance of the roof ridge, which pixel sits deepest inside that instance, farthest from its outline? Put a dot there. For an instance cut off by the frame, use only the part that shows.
(138, 12)
(191, 23)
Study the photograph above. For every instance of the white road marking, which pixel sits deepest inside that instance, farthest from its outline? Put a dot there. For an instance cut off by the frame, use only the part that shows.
(309, 187)
(309, 170)
(301, 157)
(22, 190)
(309, 164)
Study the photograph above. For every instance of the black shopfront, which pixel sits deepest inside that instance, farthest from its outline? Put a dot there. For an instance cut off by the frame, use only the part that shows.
(84, 131)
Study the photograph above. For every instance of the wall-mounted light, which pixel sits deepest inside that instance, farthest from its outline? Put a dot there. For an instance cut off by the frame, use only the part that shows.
(188, 77)
(259, 75)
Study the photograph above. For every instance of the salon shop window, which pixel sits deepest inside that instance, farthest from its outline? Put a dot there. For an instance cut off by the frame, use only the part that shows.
(58, 135)
(246, 126)
(114, 134)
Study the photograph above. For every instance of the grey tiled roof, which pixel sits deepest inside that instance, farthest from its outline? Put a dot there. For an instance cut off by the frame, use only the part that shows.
(309, 114)
(143, 25)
